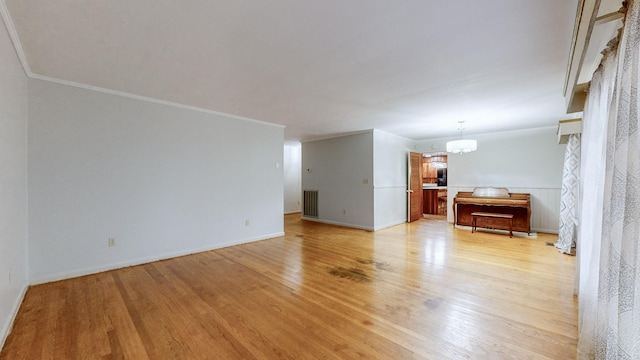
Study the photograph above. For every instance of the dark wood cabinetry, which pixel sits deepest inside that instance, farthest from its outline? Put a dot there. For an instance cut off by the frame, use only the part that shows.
(434, 201)
(429, 171)
(430, 201)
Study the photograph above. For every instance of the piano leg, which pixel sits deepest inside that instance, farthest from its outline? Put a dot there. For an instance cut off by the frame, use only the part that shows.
(455, 219)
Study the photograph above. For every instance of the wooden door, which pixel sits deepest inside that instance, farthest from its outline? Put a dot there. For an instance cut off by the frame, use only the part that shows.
(414, 191)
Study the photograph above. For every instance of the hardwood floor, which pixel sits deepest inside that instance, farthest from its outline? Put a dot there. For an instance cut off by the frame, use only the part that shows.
(415, 291)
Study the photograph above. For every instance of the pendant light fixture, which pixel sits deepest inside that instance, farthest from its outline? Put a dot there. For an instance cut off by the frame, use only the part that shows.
(462, 145)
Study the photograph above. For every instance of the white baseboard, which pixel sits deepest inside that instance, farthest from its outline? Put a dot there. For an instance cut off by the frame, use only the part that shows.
(6, 329)
(546, 231)
(133, 262)
(292, 212)
(402, 221)
(368, 228)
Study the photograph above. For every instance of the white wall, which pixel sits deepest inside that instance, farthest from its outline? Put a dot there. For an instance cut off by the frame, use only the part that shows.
(292, 178)
(161, 180)
(13, 183)
(528, 161)
(390, 178)
(341, 169)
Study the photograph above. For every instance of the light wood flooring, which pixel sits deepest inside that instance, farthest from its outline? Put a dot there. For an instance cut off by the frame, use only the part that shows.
(415, 291)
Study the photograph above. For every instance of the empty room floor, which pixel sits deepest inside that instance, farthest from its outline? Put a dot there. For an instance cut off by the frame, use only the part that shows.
(422, 290)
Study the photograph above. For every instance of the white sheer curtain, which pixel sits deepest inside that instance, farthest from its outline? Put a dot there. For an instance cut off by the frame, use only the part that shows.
(594, 140)
(569, 195)
(610, 301)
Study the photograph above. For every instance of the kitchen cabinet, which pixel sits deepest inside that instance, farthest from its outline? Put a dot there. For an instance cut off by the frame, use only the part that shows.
(430, 172)
(434, 200)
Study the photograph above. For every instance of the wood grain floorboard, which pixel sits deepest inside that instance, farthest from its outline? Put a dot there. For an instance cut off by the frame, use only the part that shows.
(414, 291)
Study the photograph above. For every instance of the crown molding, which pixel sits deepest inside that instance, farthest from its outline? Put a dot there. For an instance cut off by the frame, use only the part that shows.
(15, 39)
(149, 99)
(25, 64)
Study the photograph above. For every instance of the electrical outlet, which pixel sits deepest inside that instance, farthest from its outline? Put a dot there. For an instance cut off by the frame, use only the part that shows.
(365, 181)
(112, 241)
(344, 211)
(247, 222)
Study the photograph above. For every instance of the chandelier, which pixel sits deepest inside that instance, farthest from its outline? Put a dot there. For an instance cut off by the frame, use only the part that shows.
(462, 145)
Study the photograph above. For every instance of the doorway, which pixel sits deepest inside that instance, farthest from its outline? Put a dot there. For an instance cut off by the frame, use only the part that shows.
(434, 184)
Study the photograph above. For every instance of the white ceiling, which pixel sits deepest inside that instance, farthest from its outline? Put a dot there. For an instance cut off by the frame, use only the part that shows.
(411, 67)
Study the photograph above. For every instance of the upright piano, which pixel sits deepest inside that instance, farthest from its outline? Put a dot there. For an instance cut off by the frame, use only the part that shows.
(493, 200)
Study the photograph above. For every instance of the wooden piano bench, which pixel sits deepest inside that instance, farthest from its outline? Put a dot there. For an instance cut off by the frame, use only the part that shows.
(489, 215)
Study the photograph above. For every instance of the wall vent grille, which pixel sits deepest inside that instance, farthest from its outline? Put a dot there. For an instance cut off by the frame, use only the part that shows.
(310, 207)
